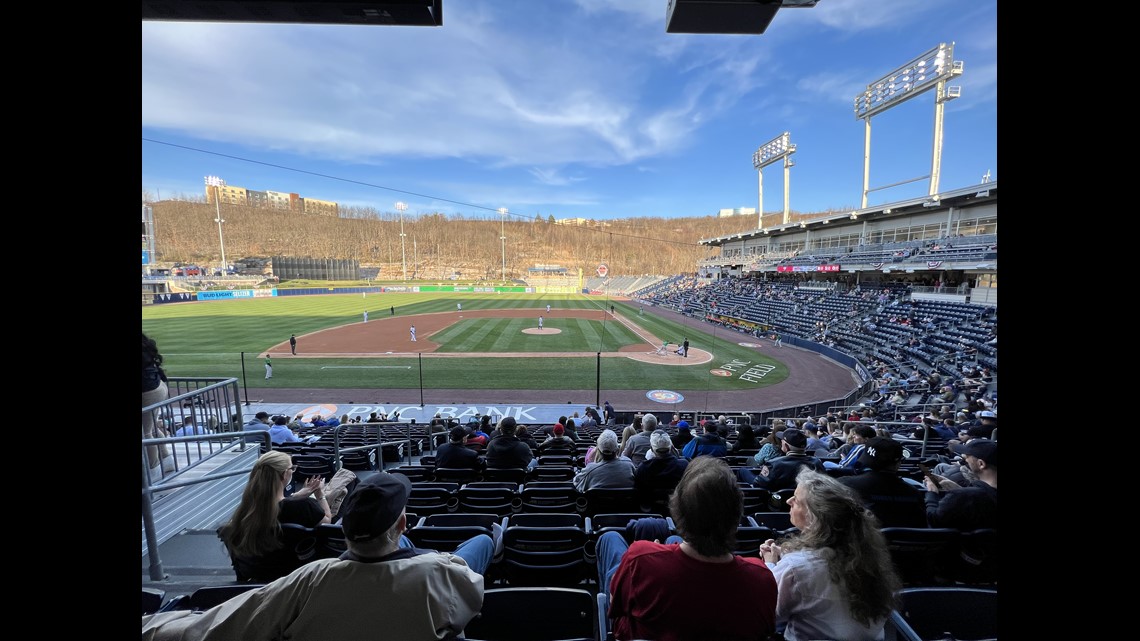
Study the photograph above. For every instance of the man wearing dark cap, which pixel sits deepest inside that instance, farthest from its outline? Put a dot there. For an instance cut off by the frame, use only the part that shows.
(382, 588)
(969, 507)
(507, 451)
(455, 453)
(896, 502)
(782, 470)
(683, 436)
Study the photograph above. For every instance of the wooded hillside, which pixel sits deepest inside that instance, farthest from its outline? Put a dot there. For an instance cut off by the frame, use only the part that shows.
(437, 245)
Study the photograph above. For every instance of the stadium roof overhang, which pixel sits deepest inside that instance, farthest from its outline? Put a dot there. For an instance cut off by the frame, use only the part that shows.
(969, 197)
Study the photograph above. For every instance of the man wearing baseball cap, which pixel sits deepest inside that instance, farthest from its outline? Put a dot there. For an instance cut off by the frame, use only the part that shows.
(969, 507)
(896, 502)
(381, 588)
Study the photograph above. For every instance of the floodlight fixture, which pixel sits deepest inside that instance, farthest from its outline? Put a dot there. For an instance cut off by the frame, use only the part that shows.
(910, 80)
(403, 207)
(778, 148)
(928, 71)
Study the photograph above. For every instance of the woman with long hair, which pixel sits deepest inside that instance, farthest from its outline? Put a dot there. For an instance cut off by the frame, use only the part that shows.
(154, 390)
(836, 579)
(253, 534)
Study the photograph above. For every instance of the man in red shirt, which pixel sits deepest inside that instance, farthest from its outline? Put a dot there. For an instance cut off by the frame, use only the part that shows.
(651, 584)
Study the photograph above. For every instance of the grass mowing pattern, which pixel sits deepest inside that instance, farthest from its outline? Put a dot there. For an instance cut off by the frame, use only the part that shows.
(483, 335)
(208, 339)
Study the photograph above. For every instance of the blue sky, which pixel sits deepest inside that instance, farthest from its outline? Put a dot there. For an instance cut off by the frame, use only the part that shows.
(570, 108)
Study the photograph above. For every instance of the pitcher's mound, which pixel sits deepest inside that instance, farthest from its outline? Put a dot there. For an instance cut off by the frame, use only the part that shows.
(545, 330)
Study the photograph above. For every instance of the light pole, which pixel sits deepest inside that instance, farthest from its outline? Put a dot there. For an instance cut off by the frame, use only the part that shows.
(930, 71)
(503, 238)
(779, 147)
(402, 207)
(217, 184)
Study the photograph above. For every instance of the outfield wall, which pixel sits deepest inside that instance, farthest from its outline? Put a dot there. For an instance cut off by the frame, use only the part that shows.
(228, 294)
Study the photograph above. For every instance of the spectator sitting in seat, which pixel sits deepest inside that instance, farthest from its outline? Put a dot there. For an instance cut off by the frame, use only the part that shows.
(558, 442)
(523, 434)
(476, 435)
(253, 533)
(260, 421)
(745, 439)
(683, 436)
(455, 453)
(770, 448)
(662, 470)
(637, 445)
(969, 507)
(190, 429)
(279, 432)
(893, 500)
(506, 450)
(782, 471)
(381, 588)
(849, 453)
(835, 577)
(652, 584)
(815, 446)
(611, 470)
(710, 443)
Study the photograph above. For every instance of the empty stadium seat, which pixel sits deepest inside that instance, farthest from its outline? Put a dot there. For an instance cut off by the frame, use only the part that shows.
(535, 614)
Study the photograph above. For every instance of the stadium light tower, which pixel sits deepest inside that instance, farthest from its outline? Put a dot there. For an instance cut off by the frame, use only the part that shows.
(931, 70)
(768, 153)
(503, 238)
(217, 184)
(403, 207)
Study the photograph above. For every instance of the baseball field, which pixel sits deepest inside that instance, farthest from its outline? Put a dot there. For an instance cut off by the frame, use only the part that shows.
(493, 343)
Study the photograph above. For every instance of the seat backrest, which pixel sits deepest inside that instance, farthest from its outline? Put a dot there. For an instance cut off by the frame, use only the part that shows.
(749, 536)
(545, 555)
(775, 520)
(964, 612)
(433, 498)
(756, 499)
(493, 500)
(455, 474)
(446, 532)
(535, 614)
(512, 474)
(923, 556)
(330, 541)
(152, 599)
(537, 499)
(977, 557)
(298, 547)
(609, 500)
(553, 473)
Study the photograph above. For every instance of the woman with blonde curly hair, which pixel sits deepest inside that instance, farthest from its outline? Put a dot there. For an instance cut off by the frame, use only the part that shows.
(253, 534)
(836, 579)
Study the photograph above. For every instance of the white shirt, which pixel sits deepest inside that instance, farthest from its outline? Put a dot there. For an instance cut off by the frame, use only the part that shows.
(811, 605)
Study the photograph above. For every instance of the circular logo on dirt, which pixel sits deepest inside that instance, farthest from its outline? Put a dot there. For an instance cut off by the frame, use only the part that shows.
(720, 372)
(603, 269)
(664, 396)
(749, 344)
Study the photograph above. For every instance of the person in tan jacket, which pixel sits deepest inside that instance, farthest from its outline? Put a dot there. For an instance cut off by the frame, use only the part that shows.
(382, 588)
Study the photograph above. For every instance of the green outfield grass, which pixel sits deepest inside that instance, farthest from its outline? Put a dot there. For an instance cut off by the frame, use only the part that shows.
(218, 338)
